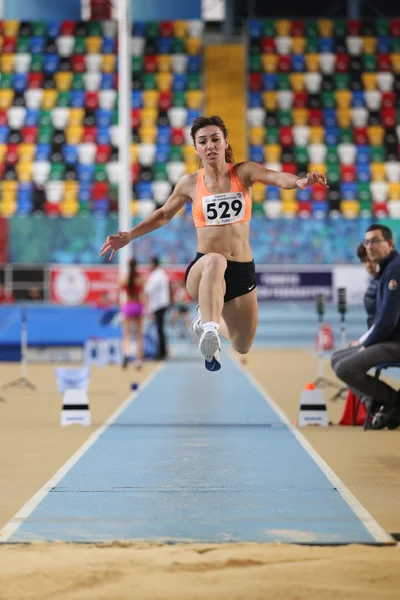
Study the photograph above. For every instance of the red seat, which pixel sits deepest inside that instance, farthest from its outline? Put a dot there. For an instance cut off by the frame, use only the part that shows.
(1, 27)
(284, 63)
(342, 62)
(360, 136)
(165, 100)
(267, 45)
(380, 209)
(29, 134)
(92, 100)
(300, 99)
(35, 80)
(319, 193)
(2, 169)
(297, 28)
(100, 190)
(384, 62)
(3, 117)
(11, 157)
(354, 26)
(135, 170)
(286, 136)
(115, 80)
(315, 117)
(150, 64)
(304, 209)
(348, 173)
(388, 99)
(89, 134)
(388, 117)
(394, 25)
(68, 27)
(166, 29)
(177, 136)
(52, 209)
(255, 82)
(78, 63)
(9, 45)
(290, 167)
(103, 153)
(135, 115)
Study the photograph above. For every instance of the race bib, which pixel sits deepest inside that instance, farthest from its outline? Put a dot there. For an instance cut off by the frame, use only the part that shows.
(222, 209)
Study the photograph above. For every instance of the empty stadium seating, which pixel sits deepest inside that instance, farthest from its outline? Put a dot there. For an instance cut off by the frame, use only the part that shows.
(325, 94)
(59, 131)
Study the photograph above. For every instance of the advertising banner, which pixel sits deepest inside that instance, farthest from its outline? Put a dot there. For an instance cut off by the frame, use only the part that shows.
(294, 285)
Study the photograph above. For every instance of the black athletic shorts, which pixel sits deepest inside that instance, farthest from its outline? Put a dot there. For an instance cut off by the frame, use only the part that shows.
(240, 277)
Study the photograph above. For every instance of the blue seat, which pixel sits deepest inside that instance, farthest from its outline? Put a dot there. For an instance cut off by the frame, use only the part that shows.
(107, 81)
(358, 99)
(329, 117)
(255, 28)
(163, 134)
(162, 153)
(363, 154)
(25, 187)
(32, 116)
(363, 172)
(273, 193)
(103, 135)
(326, 44)
(179, 82)
(255, 99)
(103, 117)
(51, 63)
(383, 44)
(192, 114)
(139, 28)
(85, 192)
(256, 153)
(374, 404)
(303, 195)
(101, 207)
(53, 29)
(37, 44)
(108, 46)
(299, 63)
(164, 45)
(85, 173)
(319, 207)
(4, 130)
(43, 152)
(77, 98)
(348, 190)
(144, 190)
(270, 81)
(137, 99)
(331, 136)
(70, 154)
(20, 81)
(194, 64)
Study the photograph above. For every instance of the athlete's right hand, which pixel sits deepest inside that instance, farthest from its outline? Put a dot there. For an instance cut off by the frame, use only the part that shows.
(114, 243)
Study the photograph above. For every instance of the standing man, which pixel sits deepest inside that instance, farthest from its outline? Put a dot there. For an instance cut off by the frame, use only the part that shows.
(382, 343)
(157, 289)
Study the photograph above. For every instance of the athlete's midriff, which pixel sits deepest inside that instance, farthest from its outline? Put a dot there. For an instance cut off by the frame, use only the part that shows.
(230, 240)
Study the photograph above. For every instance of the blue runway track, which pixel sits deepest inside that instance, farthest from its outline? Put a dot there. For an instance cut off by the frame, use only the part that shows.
(198, 456)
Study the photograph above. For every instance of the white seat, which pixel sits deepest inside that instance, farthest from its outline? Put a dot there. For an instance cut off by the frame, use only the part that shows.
(385, 81)
(146, 153)
(107, 99)
(33, 98)
(359, 116)
(40, 171)
(285, 99)
(394, 209)
(115, 135)
(283, 44)
(195, 28)
(317, 153)
(273, 209)
(22, 62)
(392, 169)
(93, 62)
(347, 153)
(177, 116)
(145, 208)
(161, 191)
(59, 117)
(137, 45)
(113, 170)
(179, 63)
(87, 153)
(354, 45)
(327, 62)
(92, 81)
(301, 135)
(379, 191)
(65, 45)
(175, 171)
(109, 28)
(273, 166)
(256, 117)
(373, 99)
(398, 132)
(16, 116)
(313, 82)
(54, 191)
(188, 137)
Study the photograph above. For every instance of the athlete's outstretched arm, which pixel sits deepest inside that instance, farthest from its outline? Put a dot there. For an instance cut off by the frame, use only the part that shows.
(287, 181)
(157, 219)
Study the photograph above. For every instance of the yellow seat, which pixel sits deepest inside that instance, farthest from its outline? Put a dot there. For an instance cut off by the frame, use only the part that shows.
(24, 171)
(8, 196)
(26, 152)
(300, 116)
(1, 43)
(76, 116)
(164, 81)
(394, 190)
(344, 117)
(270, 101)
(193, 45)
(164, 63)
(273, 153)
(134, 153)
(378, 171)
(325, 27)
(73, 134)
(343, 98)
(258, 192)
(288, 196)
(369, 45)
(256, 135)
(395, 58)
(10, 188)
(69, 208)
(134, 207)
(269, 62)
(350, 208)
(194, 99)
(312, 61)
(283, 27)
(369, 81)
(180, 29)
(290, 209)
(108, 65)
(189, 154)
(63, 81)
(93, 44)
(148, 117)
(375, 135)
(297, 82)
(71, 187)
(3, 150)
(317, 134)
(191, 167)
(298, 45)
(7, 63)
(49, 99)
(8, 209)
(10, 28)
(321, 167)
(150, 98)
(148, 135)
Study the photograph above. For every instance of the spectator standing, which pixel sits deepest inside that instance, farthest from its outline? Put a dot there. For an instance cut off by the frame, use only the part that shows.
(157, 289)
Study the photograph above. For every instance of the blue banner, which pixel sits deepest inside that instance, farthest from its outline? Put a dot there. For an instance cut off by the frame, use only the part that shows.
(294, 285)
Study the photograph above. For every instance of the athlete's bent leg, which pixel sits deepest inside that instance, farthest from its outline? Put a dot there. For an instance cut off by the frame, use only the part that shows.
(241, 318)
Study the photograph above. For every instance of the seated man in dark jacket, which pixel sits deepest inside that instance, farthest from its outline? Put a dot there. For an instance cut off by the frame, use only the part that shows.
(382, 342)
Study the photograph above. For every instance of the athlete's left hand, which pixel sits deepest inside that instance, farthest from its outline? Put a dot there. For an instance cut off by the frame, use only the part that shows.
(313, 177)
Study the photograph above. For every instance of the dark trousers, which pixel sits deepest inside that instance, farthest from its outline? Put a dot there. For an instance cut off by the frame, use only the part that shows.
(159, 316)
(352, 366)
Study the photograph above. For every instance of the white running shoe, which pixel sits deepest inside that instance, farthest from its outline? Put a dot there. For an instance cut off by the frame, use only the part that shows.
(210, 347)
(197, 324)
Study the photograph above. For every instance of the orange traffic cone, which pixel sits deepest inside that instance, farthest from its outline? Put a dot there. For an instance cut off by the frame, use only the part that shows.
(349, 410)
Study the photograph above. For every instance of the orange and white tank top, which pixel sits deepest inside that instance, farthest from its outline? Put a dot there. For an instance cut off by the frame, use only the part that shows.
(221, 209)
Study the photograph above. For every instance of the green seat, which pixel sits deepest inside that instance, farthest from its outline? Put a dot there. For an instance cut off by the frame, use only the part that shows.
(382, 27)
(369, 63)
(312, 45)
(268, 28)
(340, 27)
(160, 172)
(333, 173)
(255, 65)
(365, 209)
(137, 64)
(284, 117)
(342, 81)
(115, 116)
(114, 191)
(284, 81)
(100, 173)
(178, 46)
(301, 156)
(149, 81)
(346, 135)
(38, 28)
(45, 118)
(84, 208)
(152, 29)
(271, 135)
(57, 171)
(6, 81)
(364, 192)
(23, 44)
(63, 98)
(395, 44)
(37, 63)
(45, 134)
(80, 45)
(178, 99)
(257, 208)
(332, 157)
(77, 82)
(176, 154)
(328, 99)
(378, 154)
(193, 81)
(94, 28)
(311, 28)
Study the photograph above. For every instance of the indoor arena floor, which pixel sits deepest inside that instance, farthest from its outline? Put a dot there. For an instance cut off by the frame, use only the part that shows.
(198, 485)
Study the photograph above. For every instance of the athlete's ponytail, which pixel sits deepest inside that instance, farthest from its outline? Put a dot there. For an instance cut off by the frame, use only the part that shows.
(216, 120)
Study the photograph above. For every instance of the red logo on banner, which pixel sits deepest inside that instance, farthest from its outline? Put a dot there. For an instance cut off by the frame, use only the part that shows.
(3, 240)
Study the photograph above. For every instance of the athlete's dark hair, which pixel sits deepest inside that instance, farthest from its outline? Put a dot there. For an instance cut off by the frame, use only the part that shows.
(386, 232)
(131, 275)
(216, 120)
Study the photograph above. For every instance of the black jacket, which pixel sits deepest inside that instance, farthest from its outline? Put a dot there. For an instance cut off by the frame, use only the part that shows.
(370, 301)
(387, 318)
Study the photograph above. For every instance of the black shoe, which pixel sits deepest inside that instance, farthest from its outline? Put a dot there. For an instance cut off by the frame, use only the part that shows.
(125, 362)
(387, 416)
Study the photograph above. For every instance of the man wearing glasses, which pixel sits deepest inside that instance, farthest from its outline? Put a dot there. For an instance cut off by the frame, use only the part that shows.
(382, 341)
